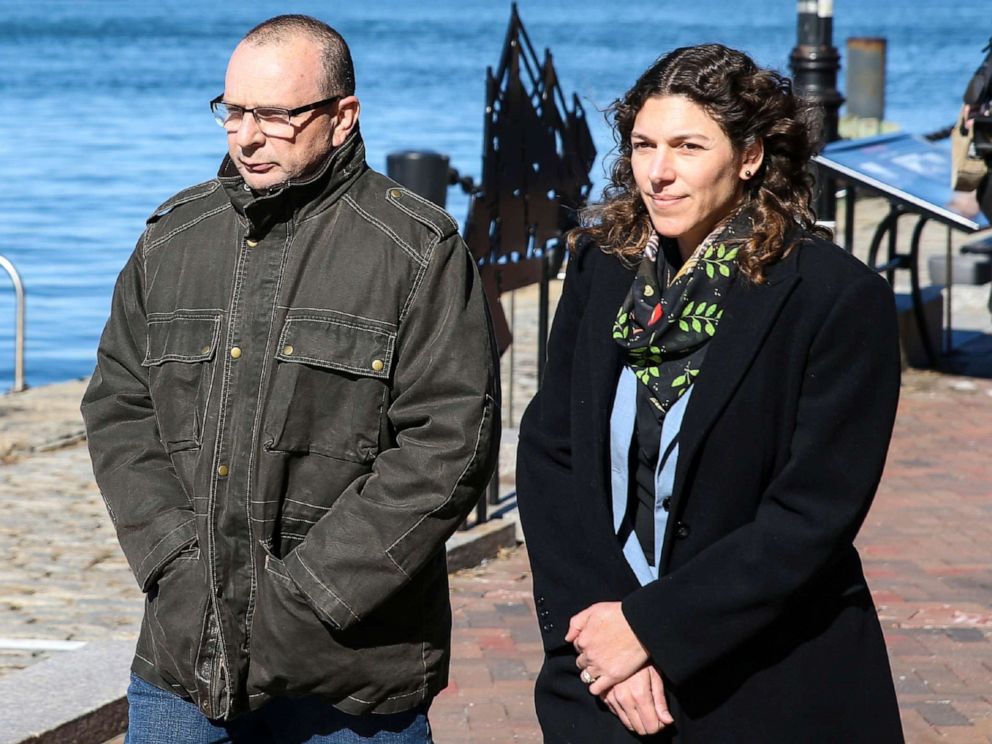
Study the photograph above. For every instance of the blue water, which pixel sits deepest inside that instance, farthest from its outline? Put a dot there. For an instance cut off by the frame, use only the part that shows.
(104, 107)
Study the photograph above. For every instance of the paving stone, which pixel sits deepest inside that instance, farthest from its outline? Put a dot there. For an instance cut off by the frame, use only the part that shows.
(941, 714)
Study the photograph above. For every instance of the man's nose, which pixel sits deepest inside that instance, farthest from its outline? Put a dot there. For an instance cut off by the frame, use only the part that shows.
(248, 133)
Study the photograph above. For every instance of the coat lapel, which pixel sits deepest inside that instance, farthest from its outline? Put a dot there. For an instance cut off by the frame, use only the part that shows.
(751, 312)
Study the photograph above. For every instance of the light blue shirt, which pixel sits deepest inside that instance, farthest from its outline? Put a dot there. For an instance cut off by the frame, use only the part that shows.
(622, 422)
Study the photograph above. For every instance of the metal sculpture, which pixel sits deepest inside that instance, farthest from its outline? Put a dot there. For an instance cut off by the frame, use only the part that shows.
(537, 154)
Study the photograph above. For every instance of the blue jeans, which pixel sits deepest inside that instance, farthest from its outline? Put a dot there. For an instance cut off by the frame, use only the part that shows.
(160, 717)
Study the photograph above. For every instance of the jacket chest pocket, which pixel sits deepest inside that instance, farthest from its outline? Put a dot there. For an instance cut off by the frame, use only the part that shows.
(330, 389)
(180, 348)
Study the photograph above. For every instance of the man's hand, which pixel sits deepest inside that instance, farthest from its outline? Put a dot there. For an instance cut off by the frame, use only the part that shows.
(607, 647)
(639, 702)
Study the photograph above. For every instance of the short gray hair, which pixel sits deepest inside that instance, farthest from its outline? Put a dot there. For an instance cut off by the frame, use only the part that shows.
(339, 71)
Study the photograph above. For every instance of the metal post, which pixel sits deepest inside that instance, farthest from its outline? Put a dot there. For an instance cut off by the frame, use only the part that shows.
(815, 63)
(949, 277)
(542, 313)
(15, 278)
(849, 199)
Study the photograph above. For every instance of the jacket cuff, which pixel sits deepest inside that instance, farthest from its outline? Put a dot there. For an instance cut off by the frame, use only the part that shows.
(660, 639)
(180, 531)
(322, 598)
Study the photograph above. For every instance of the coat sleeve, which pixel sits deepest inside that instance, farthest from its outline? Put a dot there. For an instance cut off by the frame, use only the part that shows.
(445, 414)
(150, 511)
(544, 479)
(811, 510)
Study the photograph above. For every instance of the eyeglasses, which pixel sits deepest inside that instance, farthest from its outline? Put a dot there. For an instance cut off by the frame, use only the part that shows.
(271, 120)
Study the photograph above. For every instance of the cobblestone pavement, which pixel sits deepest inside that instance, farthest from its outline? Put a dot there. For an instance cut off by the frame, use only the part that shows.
(925, 548)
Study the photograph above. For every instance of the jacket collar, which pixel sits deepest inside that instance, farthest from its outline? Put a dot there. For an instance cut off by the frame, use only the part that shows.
(296, 199)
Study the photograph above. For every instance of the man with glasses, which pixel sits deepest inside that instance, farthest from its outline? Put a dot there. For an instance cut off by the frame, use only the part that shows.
(295, 404)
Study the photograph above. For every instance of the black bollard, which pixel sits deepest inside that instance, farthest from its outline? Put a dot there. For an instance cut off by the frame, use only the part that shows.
(423, 172)
(815, 62)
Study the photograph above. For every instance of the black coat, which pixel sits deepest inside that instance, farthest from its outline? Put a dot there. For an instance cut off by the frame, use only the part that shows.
(761, 623)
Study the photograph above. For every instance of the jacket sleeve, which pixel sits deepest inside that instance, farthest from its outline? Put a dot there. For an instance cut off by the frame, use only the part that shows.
(544, 479)
(445, 415)
(150, 511)
(811, 510)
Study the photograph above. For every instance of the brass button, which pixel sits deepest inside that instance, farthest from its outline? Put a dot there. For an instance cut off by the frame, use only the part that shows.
(251, 243)
(205, 350)
(222, 471)
(287, 350)
(377, 365)
(395, 193)
(235, 352)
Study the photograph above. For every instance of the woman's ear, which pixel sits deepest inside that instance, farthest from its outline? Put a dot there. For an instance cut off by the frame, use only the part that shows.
(754, 155)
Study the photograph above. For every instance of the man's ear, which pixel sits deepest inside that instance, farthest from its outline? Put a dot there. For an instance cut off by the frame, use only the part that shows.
(347, 118)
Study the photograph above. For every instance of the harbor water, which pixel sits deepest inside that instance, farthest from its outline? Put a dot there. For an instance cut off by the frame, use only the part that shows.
(105, 108)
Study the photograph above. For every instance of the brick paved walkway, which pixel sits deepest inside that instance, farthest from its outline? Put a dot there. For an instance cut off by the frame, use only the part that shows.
(927, 548)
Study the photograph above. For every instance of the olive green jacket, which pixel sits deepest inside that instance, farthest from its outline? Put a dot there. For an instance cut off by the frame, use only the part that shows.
(295, 404)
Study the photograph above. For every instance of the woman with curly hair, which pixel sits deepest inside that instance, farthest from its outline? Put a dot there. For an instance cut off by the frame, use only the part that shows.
(716, 408)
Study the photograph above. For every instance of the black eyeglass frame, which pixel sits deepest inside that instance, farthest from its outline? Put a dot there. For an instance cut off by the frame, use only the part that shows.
(290, 113)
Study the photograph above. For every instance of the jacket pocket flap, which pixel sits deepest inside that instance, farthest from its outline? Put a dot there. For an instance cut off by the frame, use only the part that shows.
(181, 338)
(336, 345)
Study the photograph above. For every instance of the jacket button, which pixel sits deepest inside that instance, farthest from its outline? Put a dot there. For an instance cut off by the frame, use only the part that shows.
(251, 243)
(287, 350)
(682, 530)
(205, 350)
(540, 601)
(377, 365)
(222, 471)
(235, 352)
(395, 193)
(666, 503)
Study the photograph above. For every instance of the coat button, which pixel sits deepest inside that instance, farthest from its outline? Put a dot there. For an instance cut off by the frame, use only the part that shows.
(251, 243)
(235, 352)
(682, 530)
(395, 193)
(205, 350)
(222, 471)
(666, 503)
(377, 365)
(287, 350)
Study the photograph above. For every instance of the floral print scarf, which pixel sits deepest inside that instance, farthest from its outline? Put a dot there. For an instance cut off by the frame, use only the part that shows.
(666, 322)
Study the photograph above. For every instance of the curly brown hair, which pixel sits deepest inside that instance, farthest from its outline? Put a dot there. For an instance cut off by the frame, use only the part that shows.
(750, 104)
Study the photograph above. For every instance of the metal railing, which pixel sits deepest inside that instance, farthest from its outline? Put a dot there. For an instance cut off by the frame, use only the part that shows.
(15, 278)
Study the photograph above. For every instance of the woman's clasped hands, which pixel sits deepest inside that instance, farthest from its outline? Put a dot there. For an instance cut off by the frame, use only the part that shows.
(617, 668)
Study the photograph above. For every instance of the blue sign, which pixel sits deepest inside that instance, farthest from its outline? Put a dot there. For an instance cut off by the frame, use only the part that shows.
(908, 169)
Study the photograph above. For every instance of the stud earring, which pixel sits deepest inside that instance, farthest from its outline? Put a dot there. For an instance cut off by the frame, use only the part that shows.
(747, 173)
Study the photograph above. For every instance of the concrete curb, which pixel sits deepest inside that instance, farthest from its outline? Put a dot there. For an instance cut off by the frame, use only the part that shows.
(481, 542)
(76, 697)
